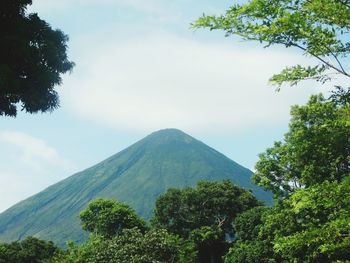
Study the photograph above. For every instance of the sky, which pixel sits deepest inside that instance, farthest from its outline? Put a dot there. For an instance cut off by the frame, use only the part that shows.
(141, 68)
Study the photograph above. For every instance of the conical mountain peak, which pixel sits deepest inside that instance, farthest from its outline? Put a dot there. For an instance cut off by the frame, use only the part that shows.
(170, 134)
(136, 175)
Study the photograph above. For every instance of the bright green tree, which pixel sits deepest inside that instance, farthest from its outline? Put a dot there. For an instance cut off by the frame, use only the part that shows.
(33, 57)
(108, 218)
(310, 169)
(319, 28)
(154, 246)
(312, 225)
(315, 149)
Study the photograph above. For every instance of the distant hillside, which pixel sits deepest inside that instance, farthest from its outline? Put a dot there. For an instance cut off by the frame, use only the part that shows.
(136, 175)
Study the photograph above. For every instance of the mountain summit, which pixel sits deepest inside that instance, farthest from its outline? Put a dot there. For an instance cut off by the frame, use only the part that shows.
(136, 175)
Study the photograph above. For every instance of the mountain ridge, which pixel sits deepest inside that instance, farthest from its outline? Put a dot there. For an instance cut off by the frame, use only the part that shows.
(136, 175)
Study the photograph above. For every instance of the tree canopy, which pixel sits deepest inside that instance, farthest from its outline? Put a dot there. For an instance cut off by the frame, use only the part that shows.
(31, 250)
(315, 149)
(319, 28)
(209, 204)
(312, 225)
(203, 214)
(32, 58)
(154, 246)
(107, 218)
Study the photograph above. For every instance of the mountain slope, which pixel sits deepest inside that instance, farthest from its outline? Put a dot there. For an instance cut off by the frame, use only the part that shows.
(136, 175)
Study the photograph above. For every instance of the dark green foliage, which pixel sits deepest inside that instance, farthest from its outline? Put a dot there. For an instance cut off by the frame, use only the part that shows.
(319, 28)
(315, 149)
(109, 217)
(247, 224)
(203, 214)
(30, 250)
(209, 204)
(250, 252)
(137, 176)
(341, 96)
(210, 243)
(249, 247)
(32, 59)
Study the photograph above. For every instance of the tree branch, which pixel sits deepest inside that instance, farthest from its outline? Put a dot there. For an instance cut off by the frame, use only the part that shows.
(341, 71)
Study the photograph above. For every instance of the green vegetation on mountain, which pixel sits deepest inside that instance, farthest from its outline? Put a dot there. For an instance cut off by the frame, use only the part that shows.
(136, 175)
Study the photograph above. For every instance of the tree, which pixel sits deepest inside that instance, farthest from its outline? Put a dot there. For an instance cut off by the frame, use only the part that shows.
(320, 28)
(312, 225)
(209, 204)
(32, 58)
(109, 217)
(154, 246)
(315, 149)
(248, 247)
(250, 252)
(247, 224)
(310, 169)
(31, 250)
(203, 214)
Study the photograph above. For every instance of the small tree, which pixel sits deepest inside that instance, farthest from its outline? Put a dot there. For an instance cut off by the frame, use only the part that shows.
(109, 217)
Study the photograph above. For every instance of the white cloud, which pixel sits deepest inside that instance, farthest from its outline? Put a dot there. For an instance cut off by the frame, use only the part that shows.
(150, 6)
(33, 150)
(28, 165)
(164, 80)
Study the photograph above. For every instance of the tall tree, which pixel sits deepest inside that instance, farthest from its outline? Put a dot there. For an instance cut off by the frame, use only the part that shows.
(319, 28)
(203, 214)
(315, 149)
(312, 225)
(32, 58)
(248, 246)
